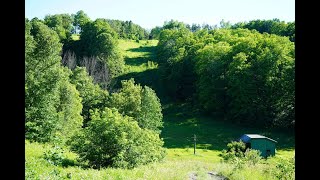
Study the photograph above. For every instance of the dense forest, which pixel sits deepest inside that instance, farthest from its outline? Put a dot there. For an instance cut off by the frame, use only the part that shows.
(240, 73)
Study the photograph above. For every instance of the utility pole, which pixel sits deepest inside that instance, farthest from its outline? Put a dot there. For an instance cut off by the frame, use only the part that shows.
(194, 148)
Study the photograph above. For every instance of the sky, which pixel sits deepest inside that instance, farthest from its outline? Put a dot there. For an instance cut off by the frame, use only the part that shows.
(151, 13)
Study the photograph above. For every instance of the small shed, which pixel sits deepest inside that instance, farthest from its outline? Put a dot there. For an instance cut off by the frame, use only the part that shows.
(265, 145)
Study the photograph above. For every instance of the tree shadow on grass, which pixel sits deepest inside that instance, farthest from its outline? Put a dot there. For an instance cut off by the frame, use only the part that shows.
(149, 49)
(148, 78)
(212, 133)
(149, 55)
(136, 61)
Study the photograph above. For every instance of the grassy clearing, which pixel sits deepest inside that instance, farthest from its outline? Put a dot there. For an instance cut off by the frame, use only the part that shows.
(181, 124)
(39, 168)
(75, 37)
(140, 63)
(178, 164)
(139, 55)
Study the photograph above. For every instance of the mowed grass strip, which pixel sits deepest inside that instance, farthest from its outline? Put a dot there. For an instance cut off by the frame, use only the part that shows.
(138, 55)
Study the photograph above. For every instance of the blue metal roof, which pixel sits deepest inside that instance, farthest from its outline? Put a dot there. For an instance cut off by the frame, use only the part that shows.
(247, 137)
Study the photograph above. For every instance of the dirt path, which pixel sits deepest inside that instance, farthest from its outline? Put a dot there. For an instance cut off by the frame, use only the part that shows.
(210, 175)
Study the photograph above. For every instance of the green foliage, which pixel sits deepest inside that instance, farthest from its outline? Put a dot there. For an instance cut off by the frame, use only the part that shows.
(150, 116)
(80, 20)
(274, 26)
(43, 76)
(235, 151)
(224, 24)
(176, 68)
(173, 24)
(252, 156)
(128, 30)
(240, 75)
(117, 141)
(190, 65)
(239, 157)
(55, 156)
(92, 95)
(155, 32)
(128, 99)
(170, 168)
(197, 27)
(29, 40)
(47, 161)
(140, 103)
(236, 147)
(285, 169)
(69, 109)
(178, 162)
(61, 23)
(210, 67)
(53, 105)
(99, 40)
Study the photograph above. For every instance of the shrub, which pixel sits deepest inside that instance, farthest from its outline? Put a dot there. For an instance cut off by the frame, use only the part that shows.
(235, 149)
(252, 156)
(285, 169)
(113, 140)
(55, 155)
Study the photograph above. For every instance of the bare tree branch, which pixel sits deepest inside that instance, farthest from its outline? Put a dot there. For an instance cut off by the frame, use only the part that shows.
(69, 59)
(98, 70)
(90, 64)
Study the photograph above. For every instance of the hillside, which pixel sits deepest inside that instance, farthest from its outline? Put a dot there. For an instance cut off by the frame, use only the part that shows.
(180, 124)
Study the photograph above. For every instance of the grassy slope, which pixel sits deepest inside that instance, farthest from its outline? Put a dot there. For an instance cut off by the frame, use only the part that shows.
(75, 37)
(179, 126)
(137, 55)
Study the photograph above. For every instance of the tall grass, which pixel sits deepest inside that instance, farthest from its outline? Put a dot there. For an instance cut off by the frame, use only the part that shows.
(179, 164)
(170, 168)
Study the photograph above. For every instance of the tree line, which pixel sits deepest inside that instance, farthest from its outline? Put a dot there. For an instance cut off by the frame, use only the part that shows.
(274, 26)
(235, 73)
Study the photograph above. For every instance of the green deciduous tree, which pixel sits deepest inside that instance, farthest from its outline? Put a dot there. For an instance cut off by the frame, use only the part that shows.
(176, 70)
(99, 40)
(69, 109)
(128, 29)
(211, 67)
(240, 74)
(80, 19)
(128, 99)
(140, 103)
(155, 32)
(48, 91)
(113, 140)
(62, 24)
(274, 26)
(42, 81)
(92, 95)
(150, 116)
(173, 24)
